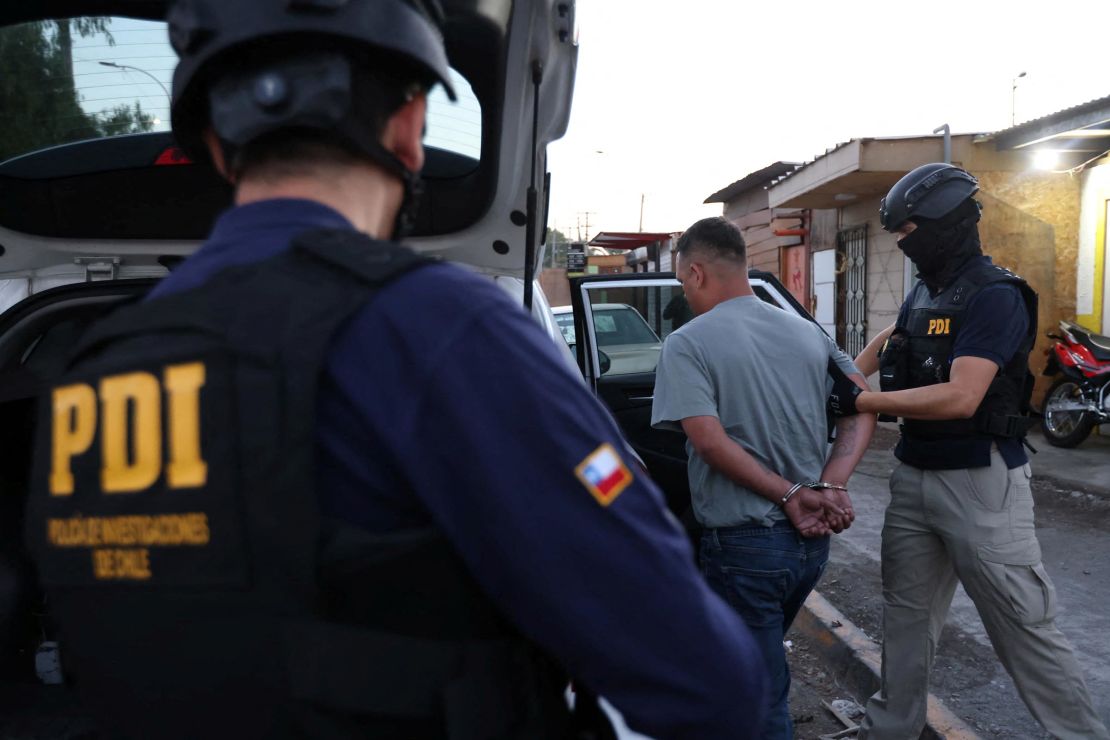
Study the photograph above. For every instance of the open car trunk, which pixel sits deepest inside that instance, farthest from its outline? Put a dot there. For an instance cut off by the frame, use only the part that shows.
(97, 203)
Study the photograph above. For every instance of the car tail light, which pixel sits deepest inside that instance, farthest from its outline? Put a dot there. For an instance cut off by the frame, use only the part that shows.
(172, 155)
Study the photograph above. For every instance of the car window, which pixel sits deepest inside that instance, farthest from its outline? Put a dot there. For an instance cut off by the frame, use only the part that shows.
(566, 325)
(615, 326)
(77, 79)
(660, 308)
(632, 320)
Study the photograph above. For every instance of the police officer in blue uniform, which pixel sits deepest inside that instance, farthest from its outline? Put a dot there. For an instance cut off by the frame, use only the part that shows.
(317, 485)
(954, 366)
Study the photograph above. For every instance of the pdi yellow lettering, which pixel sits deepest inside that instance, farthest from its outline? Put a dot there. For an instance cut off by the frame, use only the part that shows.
(183, 383)
(121, 564)
(948, 326)
(73, 428)
(932, 326)
(131, 423)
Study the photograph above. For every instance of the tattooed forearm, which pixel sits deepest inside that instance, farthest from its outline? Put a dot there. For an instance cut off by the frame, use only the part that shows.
(847, 437)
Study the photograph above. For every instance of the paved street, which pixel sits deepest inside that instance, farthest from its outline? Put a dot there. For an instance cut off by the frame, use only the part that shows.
(1072, 525)
(1072, 494)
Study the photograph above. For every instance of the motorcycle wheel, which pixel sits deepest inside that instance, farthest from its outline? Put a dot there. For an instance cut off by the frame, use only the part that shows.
(1064, 428)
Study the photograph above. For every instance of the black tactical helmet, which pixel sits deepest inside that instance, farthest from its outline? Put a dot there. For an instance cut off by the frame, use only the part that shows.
(305, 88)
(930, 191)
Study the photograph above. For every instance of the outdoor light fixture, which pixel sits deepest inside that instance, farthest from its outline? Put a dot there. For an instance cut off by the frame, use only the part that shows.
(114, 65)
(1046, 159)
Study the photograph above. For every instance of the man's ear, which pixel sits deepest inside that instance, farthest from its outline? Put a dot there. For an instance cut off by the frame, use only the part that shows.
(404, 133)
(697, 274)
(216, 152)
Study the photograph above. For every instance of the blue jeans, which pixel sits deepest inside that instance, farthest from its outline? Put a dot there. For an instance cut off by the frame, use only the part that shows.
(765, 574)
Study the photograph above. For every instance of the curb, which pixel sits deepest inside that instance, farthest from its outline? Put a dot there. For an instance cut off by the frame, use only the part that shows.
(1067, 484)
(856, 661)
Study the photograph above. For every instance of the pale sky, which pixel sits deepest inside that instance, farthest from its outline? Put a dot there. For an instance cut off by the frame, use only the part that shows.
(685, 97)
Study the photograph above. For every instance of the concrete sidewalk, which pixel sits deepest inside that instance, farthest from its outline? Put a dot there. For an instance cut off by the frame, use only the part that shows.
(852, 656)
(1084, 468)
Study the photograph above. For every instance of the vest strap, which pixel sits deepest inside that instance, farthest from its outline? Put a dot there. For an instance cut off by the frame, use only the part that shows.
(998, 425)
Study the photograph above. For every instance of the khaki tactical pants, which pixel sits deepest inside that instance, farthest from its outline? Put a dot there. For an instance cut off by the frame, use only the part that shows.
(975, 525)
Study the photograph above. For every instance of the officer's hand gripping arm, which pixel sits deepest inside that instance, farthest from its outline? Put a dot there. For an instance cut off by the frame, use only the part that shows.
(845, 390)
(956, 399)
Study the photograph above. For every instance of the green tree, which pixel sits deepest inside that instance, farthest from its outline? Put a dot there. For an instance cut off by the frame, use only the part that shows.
(124, 119)
(39, 102)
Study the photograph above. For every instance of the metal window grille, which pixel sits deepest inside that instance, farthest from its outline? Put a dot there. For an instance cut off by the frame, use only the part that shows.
(851, 245)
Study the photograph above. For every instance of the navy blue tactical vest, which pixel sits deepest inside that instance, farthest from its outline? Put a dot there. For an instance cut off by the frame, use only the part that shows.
(923, 346)
(176, 531)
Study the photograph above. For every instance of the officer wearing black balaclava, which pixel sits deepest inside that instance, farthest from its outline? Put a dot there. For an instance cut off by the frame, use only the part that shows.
(940, 247)
(954, 367)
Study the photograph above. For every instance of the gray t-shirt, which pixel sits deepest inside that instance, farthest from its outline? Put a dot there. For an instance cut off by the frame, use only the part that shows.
(763, 372)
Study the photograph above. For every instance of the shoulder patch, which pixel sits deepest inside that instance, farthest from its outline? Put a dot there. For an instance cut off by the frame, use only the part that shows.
(604, 474)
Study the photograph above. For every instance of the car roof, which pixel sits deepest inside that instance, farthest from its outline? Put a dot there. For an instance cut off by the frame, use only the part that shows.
(89, 196)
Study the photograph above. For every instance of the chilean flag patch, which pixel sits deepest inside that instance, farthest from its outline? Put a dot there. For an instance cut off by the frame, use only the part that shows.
(604, 474)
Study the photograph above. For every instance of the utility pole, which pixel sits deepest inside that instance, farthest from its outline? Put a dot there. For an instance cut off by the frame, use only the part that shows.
(641, 213)
(584, 224)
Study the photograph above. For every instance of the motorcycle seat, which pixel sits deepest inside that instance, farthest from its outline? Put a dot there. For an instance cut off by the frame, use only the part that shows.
(1098, 344)
(1099, 351)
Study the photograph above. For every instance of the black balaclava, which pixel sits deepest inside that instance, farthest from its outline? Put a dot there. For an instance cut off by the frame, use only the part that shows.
(939, 248)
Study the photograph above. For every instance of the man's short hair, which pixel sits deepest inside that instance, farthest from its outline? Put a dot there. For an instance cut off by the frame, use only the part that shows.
(714, 238)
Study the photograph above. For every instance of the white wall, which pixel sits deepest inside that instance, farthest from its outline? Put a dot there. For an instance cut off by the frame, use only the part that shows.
(1094, 189)
(824, 289)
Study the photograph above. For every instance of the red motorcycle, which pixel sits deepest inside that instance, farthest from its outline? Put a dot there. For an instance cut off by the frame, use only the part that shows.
(1079, 399)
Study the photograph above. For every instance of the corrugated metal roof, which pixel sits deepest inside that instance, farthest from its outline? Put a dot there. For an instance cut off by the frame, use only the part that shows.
(762, 178)
(802, 166)
(862, 140)
(1090, 105)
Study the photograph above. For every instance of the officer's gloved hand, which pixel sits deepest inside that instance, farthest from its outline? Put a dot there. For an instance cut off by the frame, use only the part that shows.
(842, 399)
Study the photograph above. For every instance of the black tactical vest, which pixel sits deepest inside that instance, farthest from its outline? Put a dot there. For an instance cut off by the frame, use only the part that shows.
(920, 354)
(175, 526)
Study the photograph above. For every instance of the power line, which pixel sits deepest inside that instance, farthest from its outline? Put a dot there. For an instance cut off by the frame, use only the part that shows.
(140, 56)
(122, 97)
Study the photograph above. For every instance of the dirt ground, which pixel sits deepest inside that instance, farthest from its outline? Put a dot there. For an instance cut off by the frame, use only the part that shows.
(811, 684)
